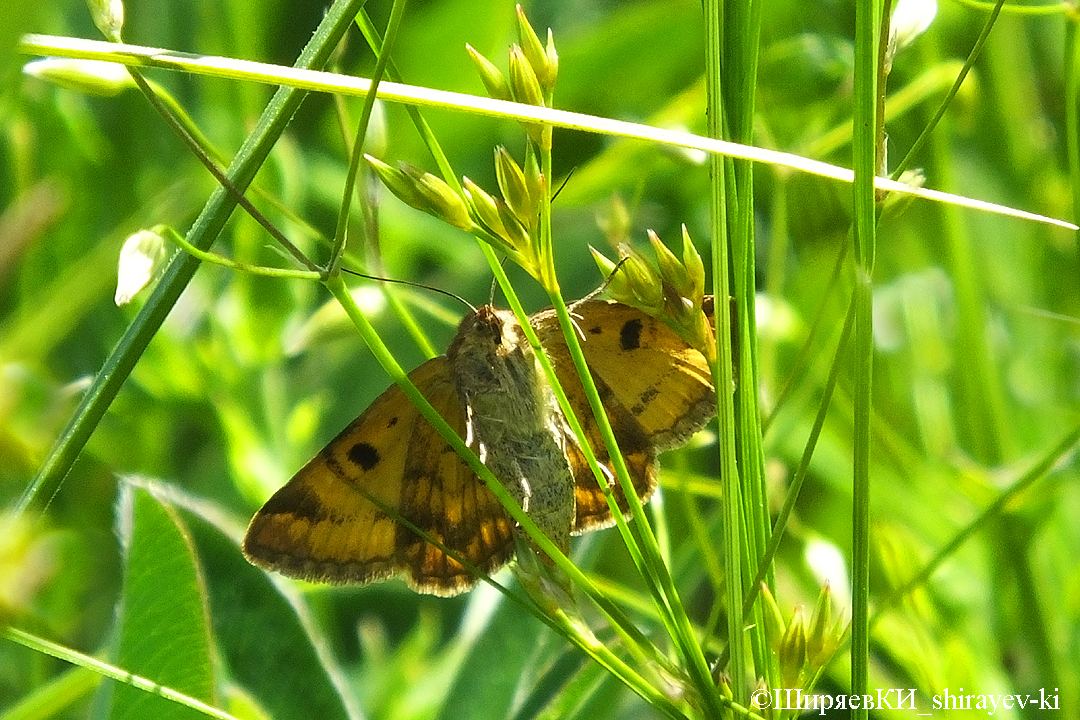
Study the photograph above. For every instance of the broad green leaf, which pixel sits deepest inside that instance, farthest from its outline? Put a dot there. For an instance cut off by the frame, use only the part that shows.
(485, 688)
(263, 631)
(163, 631)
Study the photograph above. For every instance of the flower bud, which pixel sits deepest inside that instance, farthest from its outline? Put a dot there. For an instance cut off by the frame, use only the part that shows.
(543, 61)
(675, 293)
(606, 266)
(108, 15)
(775, 627)
(524, 85)
(515, 233)
(514, 189)
(695, 268)
(671, 270)
(95, 77)
(552, 62)
(646, 287)
(534, 181)
(910, 18)
(142, 257)
(616, 283)
(819, 622)
(443, 202)
(396, 181)
(825, 634)
(792, 651)
(525, 88)
(631, 281)
(425, 192)
(493, 79)
(484, 206)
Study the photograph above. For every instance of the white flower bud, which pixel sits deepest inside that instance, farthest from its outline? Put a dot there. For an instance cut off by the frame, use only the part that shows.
(90, 76)
(141, 258)
(108, 16)
(910, 19)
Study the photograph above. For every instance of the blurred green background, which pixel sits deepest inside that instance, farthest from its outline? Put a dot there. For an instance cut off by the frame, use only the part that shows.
(976, 378)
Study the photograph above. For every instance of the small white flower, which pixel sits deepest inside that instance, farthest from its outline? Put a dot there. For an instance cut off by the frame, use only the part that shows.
(828, 565)
(141, 258)
(910, 19)
(96, 77)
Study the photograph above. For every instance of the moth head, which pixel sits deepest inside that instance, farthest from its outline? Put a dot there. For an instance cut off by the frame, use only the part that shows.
(487, 331)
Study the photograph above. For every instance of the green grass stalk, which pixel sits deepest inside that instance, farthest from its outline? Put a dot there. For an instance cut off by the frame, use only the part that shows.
(866, 145)
(207, 226)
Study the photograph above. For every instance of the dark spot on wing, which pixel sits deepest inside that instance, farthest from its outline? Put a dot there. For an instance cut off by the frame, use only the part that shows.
(630, 335)
(644, 399)
(607, 395)
(595, 330)
(393, 422)
(364, 455)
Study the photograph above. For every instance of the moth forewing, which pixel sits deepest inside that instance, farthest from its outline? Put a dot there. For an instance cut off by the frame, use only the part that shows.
(655, 391)
(362, 509)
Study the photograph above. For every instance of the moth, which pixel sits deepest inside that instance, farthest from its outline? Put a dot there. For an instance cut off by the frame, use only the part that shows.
(330, 522)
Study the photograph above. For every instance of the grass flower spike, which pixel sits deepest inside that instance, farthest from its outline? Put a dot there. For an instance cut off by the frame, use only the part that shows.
(493, 79)
(425, 192)
(673, 292)
(544, 62)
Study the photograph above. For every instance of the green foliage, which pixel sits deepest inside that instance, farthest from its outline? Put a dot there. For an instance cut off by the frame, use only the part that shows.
(961, 433)
(169, 642)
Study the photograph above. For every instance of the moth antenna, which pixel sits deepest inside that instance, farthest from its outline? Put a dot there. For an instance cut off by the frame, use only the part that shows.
(564, 182)
(410, 283)
(495, 284)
